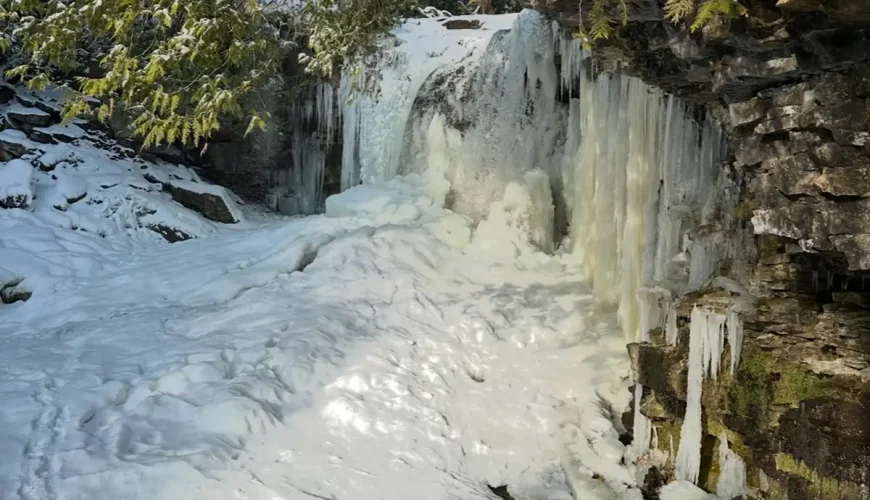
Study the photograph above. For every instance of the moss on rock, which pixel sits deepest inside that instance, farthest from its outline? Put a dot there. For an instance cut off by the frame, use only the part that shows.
(819, 486)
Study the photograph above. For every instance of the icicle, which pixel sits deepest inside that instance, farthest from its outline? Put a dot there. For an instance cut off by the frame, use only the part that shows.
(326, 111)
(642, 427)
(732, 472)
(671, 331)
(688, 461)
(706, 343)
(639, 167)
(636, 172)
(735, 336)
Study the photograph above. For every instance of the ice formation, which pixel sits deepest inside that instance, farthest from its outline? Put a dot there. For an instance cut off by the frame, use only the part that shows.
(297, 187)
(707, 335)
(623, 179)
(732, 472)
(633, 176)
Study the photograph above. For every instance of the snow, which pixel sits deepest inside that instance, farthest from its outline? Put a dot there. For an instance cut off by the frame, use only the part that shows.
(119, 199)
(355, 355)
(523, 217)
(20, 109)
(70, 130)
(397, 200)
(67, 190)
(683, 490)
(18, 137)
(16, 179)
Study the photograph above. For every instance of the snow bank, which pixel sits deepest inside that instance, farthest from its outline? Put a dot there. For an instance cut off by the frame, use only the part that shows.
(520, 224)
(67, 190)
(16, 189)
(343, 356)
(402, 199)
(684, 490)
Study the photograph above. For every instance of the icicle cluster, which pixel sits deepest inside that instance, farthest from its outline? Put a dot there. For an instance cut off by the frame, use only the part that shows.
(732, 472)
(707, 336)
(635, 179)
(643, 173)
(297, 187)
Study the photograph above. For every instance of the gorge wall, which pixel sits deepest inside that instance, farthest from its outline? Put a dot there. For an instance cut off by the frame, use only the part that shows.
(790, 82)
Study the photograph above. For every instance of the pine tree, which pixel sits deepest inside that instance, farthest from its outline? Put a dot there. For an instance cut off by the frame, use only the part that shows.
(602, 25)
(180, 67)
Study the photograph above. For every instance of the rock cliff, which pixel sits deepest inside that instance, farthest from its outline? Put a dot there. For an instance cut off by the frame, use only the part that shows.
(790, 83)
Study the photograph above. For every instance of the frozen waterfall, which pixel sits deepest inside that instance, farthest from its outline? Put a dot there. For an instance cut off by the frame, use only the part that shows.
(634, 176)
(297, 186)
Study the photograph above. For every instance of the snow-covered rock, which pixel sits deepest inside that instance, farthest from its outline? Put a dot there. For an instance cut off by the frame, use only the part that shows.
(68, 190)
(213, 202)
(16, 190)
(21, 115)
(14, 144)
(84, 180)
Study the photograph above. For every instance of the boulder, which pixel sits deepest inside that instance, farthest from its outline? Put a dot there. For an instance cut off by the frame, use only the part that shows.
(170, 234)
(462, 24)
(14, 144)
(23, 117)
(7, 92)
(213, 202)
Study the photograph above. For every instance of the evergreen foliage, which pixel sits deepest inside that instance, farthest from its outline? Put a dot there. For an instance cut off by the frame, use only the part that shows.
(180, 67)
(602, 24)
(343, 30)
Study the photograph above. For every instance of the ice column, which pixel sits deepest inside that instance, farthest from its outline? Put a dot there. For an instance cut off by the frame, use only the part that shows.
(706, 343)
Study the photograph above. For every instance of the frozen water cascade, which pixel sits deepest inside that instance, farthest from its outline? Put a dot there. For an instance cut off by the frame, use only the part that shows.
(451, 325)
(707, 335)
(297, 188)
(637, 191)
(732, 471)
(635, 179)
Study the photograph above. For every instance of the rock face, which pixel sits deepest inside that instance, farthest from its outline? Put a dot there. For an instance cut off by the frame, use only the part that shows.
(258, 165)
(213, 202)
(790, 83)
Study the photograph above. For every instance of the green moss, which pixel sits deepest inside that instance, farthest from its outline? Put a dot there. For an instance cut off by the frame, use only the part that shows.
(708, 476)
(822, 488)
(743, 211)
(750, 393)
(762, 381)
(735, 441)
(769, 245)
(796, 385)
(668, 434)
(774, 490)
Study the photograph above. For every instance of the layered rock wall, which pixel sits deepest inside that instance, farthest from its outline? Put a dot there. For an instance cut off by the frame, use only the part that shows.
(790, 82)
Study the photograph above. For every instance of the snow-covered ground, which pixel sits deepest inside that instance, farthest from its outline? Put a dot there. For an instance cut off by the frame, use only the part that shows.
(353, 356)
